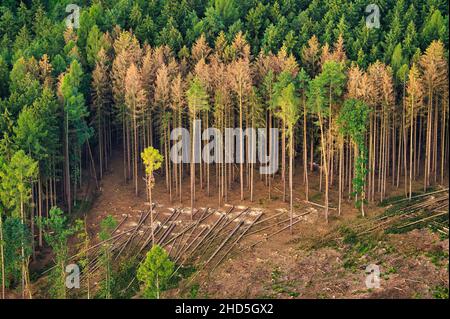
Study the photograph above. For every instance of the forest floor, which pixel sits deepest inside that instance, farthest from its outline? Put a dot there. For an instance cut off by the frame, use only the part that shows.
(304, 264)
(301, 265)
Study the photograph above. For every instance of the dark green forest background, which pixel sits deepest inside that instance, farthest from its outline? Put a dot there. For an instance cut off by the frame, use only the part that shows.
(33, 28)
(55, 85)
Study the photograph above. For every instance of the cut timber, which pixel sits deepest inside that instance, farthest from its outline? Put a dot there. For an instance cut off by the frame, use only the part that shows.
(120, 224)
(315, 204)
(279, 223)
(224, 242)
(421, 195)
(423, 219)
(210, 230)
(237, 240)
(269, 218)
(181, 250)
(141, 221)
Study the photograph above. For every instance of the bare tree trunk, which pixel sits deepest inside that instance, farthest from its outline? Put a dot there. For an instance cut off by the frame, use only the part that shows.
(100, 146)
(208, 159)
(193, 167)
(67, 164)
(404, 141)
(417, 146)
(283, 160)
(270, 150)
(128, 149)
(371, 142)
(341, 164)
(39, 210)
(311, 153)
(181, 164)
(241, 146)
(435, 142)
(135, 159)
(411, 151)
(291, 163)
(124, 145)
(325, 165)
(305, 155)
(426, 181)
(149, 178)
(443, 130)
(169, 173)
(374, 154)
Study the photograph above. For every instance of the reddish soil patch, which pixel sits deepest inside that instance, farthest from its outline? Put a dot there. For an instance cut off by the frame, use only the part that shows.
(278, 268)
(281, 267)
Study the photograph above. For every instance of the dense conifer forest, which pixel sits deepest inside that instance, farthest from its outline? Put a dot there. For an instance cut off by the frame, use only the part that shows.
(362, 113)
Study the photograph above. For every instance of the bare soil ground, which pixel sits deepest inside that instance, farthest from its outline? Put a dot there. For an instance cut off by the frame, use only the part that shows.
(298, 265)
(280, 269)
(412, 265)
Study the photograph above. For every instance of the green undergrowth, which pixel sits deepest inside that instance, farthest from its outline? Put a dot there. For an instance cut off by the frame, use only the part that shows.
(397, 229)
(126, 286)
(440, 292)
(183, 273)
(358, 247)
(394, 199)
(438, 257)
(400, 205)
(280, 286)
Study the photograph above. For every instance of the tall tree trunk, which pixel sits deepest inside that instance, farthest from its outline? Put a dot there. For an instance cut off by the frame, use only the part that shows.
(435, 142)
(124, 144)
(149, 181)
(341, 166)
(291, 163)
(426, 181)
(443, 138)
(283, 159)
(193, 166)
(100, 147)
(405, 143)
(40, 209)
(411, 150)
(241, 146)
(67, 163)
(135, 157)
(305, 151)
(324, 164)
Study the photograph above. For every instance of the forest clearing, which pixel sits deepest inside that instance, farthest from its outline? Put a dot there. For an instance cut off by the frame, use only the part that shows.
(216, 149)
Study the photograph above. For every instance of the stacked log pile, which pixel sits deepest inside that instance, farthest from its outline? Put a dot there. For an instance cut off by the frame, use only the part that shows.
(204, 241)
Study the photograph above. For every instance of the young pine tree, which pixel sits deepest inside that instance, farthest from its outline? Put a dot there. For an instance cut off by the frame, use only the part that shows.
(57, 233)
(107, 226)
(15, 194)
(152, 161)
(155, 271)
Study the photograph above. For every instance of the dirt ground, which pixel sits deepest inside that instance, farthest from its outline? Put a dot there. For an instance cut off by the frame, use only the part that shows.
(280, 269)
(285, 266)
